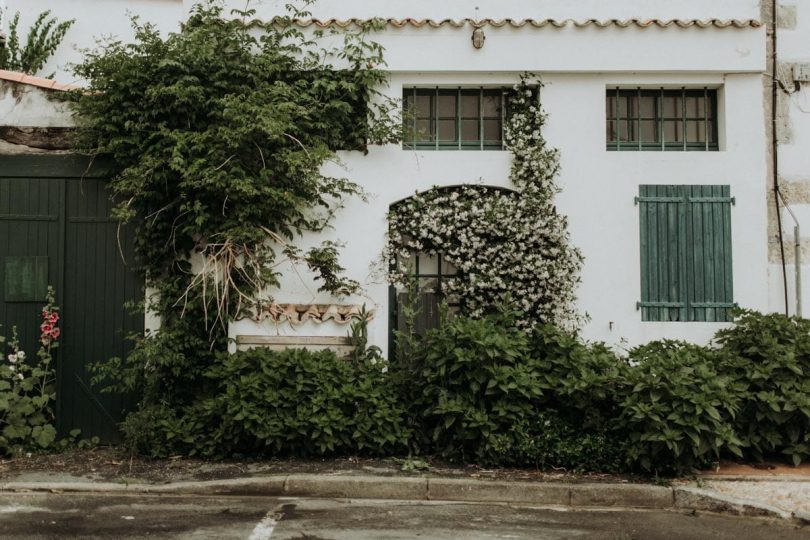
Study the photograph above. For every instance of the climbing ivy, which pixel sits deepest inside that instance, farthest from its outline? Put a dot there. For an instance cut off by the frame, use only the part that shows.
(217, 136)
(503, 243)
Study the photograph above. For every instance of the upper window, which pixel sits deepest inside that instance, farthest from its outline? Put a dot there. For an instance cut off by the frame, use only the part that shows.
(678, 120)
(454, 118)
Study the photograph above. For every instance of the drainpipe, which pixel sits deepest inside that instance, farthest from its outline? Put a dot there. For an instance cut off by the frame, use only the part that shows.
(775, 149)
(797, 263)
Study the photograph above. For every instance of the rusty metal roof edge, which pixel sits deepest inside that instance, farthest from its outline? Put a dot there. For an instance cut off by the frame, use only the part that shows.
(40, 82)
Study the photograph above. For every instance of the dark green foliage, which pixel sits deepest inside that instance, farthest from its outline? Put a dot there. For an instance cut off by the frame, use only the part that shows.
(217, 136)
(580, 381)
(469, 382)
(770, 355)
(43, 39)
(679, 407)
(269, 403)
(545, 441)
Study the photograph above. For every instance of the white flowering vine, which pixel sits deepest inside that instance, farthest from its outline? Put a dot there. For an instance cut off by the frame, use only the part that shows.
(503, 243)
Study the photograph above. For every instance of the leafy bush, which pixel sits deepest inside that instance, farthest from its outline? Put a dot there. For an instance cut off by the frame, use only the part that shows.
(545, 441)
(224, 155)
(770, 355)
(580, 381)
(470, 383)
(28, 388)
(291, 402)
(678, 409)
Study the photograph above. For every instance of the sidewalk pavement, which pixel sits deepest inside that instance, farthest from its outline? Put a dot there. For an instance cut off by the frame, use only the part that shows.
(777, 486)
(701, 496)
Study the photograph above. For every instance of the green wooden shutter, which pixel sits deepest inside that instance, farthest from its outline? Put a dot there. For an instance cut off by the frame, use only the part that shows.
(685, 253)
(709, 257)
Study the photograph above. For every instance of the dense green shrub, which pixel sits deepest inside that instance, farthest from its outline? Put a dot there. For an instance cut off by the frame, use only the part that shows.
(545, 441)
(291, 402)
(579, 380)
(770, 355)
(470, 382)
(678, 407)
(217, 135)
(482, 390)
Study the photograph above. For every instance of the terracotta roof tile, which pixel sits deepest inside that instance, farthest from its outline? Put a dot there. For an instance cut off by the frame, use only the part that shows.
(41, 82)
(517, 23)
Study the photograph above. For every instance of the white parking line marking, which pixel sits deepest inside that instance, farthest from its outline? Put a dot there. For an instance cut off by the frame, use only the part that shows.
(14, 508)
(264, 529)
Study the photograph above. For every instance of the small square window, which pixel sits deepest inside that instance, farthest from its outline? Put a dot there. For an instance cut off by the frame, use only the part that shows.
(454, 119)
(665, 119)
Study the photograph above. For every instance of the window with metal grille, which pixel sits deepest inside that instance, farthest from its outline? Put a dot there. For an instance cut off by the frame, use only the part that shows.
(454, 118)
(685, 253)
(662, 119)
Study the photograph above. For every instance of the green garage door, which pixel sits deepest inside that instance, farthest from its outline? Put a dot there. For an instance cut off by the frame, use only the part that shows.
(55, 229)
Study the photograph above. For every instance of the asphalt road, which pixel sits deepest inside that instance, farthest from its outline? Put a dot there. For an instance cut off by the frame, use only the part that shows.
(37, 516)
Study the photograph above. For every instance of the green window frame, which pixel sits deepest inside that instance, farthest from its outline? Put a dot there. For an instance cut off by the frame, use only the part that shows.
(462, 118)
(661, 119)
(686, 256)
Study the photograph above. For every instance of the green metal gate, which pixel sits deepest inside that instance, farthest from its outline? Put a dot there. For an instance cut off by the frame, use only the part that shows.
(55, 229)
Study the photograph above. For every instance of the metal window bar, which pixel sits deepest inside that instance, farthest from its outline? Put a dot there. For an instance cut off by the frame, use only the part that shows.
(503, 119)
(638, 117)
(616, 116)
(436, 121)
(706, 116)
(683, 112)
(662, 124)
(458, 117)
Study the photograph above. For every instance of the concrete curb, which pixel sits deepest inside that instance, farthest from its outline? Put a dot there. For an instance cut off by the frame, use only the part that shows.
(638, 496)
(383, 487)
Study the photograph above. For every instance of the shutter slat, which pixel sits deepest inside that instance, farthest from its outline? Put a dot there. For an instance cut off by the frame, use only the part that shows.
(727, 256)
(683, 245)
(645, 245)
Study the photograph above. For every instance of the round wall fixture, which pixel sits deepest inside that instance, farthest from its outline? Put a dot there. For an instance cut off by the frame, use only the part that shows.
(478, 37)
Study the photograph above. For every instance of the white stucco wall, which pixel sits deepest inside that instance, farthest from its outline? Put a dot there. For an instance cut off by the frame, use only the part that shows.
(598, 191)
(95, 19)
(794, 159)
(22, 105)
(577, 64)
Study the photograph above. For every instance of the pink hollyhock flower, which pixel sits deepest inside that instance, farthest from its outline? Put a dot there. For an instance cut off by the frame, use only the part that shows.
(55, 333)
(53, 318)
(45, 328)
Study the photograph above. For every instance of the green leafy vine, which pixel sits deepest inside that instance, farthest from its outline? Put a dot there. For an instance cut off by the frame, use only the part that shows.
(217, 137)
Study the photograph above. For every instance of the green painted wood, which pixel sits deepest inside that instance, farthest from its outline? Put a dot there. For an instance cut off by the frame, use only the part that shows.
(56, 166)
(98, 280)
(26, 278)
(685, 246)
(645, 243)
(49, 208)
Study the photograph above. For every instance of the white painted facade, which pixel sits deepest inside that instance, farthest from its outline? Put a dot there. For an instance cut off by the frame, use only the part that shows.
(577, 64)
(793, 135)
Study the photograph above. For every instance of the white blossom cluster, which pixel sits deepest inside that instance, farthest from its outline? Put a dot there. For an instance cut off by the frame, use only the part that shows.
(502, 243)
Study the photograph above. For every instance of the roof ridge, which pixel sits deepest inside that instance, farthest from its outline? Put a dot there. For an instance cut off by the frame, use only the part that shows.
(31, 80)
(514, 23)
